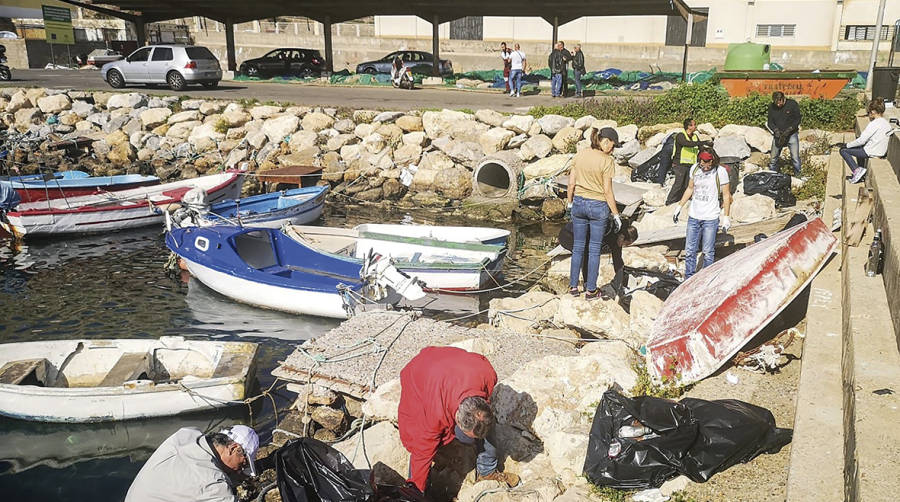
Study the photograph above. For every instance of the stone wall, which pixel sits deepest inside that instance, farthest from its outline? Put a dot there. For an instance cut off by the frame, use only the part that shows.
(16, 53)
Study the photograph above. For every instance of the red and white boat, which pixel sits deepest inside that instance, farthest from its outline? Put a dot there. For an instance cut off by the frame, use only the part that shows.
(107, 212)
(712, 315)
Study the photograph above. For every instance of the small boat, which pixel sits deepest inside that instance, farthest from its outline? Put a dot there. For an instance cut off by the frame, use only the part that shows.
(266, 268)
(444, 258)
(270, 210)
(712, 315)
(111, 211)
(107, 380)
(63, 184)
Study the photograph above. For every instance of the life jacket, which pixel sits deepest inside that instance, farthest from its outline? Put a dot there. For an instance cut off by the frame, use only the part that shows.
(688, 153)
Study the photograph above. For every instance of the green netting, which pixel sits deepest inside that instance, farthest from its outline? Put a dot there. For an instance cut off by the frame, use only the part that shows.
(485, 75)
(698, 77)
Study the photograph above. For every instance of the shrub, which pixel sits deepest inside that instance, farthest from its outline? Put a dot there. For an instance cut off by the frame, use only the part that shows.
(221, 126)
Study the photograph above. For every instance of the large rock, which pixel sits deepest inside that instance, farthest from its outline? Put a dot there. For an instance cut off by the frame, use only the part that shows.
(627, 132)
(128, 100)
(567, 449)
(185, 116)
(454, 183)
(121, 154)
(382, 404)
(495, 139)
(552, 124)
(374, 143)
(523, 314)
(628, 150)
(536, 146)
(387, 117)
(642, 156)
(363, 130)
(464, 152)
(26, 117)
(647, 258)
(708, 129)
(182, 130)
(344, 126)
(547, 166)
(392, 133)
(467, 130)
(731, 146)
(417, 138)
(407, 154)
(204, 132)
(54, 104)
(490, 117)
(647, 132)
(752, 208)
(317, 121)
(33, 95)
(116, 137)
(758, 139)
(437, 124)
(264, 112)
(302, 139)
(409, 123)
(278, 128)
(82, 108)
(364, 116)
(436, 161)
(337, 142)
(733, 130)
(644, 309)
(236, 118)
(329, 418)
(305, 157)
(585, 122)
(520, 124)
(382, 444)
(656, 196)
(601, 318)
(153, 117)
(17, 101)
(564, 141)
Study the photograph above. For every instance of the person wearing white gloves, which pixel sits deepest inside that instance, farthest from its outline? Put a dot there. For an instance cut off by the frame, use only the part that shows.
(708, 180)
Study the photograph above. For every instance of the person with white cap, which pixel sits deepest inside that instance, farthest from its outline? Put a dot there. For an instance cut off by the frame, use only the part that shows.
(191, 466)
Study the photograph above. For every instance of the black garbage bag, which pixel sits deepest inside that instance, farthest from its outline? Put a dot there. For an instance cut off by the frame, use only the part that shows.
(309, 470)
(693, 437)
(771, 184)
(648, 171)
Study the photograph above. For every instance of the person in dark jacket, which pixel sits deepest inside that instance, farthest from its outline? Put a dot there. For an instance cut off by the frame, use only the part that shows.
(507, 63)
(559, 67)
(784, 123)
(578, 69)
(613, 242)
(687, 144)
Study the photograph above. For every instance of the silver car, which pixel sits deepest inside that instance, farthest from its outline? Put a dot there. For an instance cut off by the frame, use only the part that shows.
(173, 65)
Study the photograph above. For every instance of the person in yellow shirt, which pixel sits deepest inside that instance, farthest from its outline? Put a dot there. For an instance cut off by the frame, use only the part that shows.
(592, 202)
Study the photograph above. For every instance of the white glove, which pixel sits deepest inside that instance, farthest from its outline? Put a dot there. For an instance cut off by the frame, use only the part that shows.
(726, 223)
(676, 215)
(617, 223)
(569, 206)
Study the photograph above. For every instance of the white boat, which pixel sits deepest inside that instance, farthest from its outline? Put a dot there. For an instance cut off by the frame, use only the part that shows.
(444, 258)
(107, 380)
(111, 211)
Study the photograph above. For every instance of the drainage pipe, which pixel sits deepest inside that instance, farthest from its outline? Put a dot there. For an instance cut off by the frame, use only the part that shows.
(497, 176)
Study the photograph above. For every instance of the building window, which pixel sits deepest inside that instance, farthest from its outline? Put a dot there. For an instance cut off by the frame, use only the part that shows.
(775, 30)
(865, 32)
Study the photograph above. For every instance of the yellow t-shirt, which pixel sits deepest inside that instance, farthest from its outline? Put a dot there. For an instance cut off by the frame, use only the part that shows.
(589, 168)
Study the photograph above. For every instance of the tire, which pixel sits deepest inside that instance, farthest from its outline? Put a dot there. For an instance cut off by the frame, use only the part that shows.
(211, 85)
(176, 81)
(370, 70)
(5, 74)
(115, 79)
(252, 71)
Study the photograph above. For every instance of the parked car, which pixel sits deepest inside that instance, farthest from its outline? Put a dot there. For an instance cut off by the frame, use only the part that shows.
(285, 61)
(173, 65)
(99, 57)
(417, 61)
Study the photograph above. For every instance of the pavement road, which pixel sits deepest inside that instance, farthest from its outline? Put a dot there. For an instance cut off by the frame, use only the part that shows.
(303, 94)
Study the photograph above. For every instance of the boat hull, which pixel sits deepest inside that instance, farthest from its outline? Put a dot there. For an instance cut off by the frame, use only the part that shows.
(297, 207)
(35, 194)
(712, 315)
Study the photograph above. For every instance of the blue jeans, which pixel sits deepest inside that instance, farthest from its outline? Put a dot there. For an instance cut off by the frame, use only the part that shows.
(515, 81)
(699, 230)
(587, 214)
(578, 75)
(556, 84)
(853, 155)
(486, 461)
(793, 147)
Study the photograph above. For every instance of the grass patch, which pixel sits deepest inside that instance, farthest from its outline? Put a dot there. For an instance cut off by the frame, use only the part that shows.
(221, 126)
(645, 385)
(248, 102)
(608, 494)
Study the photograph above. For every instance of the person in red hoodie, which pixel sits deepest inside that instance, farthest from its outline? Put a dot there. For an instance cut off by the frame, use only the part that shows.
(445, 393)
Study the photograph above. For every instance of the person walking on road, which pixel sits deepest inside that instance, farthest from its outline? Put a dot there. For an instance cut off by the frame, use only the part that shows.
(592, 202)
(684, 156)
(507, 63)
(709, 180)
(784, 124)
(873, 142)
(578, 70)
(517, 63)
(558, 61)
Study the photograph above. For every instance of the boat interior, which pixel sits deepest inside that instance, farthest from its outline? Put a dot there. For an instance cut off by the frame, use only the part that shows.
(256, 249)
(339, 241)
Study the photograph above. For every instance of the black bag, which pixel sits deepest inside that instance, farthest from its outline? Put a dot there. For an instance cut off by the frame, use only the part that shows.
(771, 184)
(655, 167)
(693, 437)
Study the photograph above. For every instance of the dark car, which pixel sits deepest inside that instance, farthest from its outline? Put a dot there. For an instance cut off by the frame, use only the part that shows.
(417, 61)
(285, 62)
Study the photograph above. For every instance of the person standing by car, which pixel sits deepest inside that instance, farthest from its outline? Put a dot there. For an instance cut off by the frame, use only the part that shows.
(559, 65)
(591, 200)
(784, 123)
(507, 63)
(578, 70)
(517, 64)
(708, 181)
(873, 142)
(684, 156)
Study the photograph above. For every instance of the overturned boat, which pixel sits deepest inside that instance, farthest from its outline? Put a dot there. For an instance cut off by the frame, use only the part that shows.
(443, 258)
(298, 206)
(62, 184)
(265, 268)
(712, 315)
(107, 380)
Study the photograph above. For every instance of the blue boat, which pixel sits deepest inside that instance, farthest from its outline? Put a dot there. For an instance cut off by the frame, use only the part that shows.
(299, 206)
(65, 184)
(265, 268)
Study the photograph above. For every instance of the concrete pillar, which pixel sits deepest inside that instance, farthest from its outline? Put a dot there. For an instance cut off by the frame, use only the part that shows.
(555, 32)
(687, 42)
(229, 44)
(436, 45)
(141, 31)
(878, 23)
(329, 53)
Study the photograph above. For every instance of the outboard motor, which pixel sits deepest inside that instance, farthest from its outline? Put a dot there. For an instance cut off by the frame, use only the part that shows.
(194, 205)
(4, 70)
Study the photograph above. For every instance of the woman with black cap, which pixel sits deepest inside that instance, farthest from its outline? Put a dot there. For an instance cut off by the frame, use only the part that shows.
(592, 202)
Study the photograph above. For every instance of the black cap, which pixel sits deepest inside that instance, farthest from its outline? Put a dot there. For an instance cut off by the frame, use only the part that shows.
(610, 133)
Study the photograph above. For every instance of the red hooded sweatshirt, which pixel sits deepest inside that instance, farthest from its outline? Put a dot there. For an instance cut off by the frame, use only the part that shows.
(433, 384)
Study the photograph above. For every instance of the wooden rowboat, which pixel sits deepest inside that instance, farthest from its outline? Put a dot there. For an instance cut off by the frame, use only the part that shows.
(712, 315)
(107, 380)
(35, 187)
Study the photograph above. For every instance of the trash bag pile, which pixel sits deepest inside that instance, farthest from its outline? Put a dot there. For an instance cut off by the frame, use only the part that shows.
(641, 442)
(771, 184)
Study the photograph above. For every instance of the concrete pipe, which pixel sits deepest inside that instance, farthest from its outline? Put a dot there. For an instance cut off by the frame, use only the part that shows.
(497, 176)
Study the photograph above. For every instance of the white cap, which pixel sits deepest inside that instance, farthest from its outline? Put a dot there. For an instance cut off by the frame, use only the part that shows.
(249, 441)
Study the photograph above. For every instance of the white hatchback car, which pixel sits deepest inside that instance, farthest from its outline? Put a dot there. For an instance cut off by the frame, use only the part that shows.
(173, 65)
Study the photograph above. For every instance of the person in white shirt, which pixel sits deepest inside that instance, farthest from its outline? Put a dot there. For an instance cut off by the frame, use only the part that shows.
(517, 67)
(873, 142)
(708, 180)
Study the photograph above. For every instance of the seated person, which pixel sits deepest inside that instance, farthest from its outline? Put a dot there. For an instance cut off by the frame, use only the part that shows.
(873, 142)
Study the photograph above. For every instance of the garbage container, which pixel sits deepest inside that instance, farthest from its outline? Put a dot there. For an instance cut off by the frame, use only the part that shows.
(884, 83)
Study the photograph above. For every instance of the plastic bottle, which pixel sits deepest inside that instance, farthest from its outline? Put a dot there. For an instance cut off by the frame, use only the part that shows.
(633, 431)
(876, 255)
